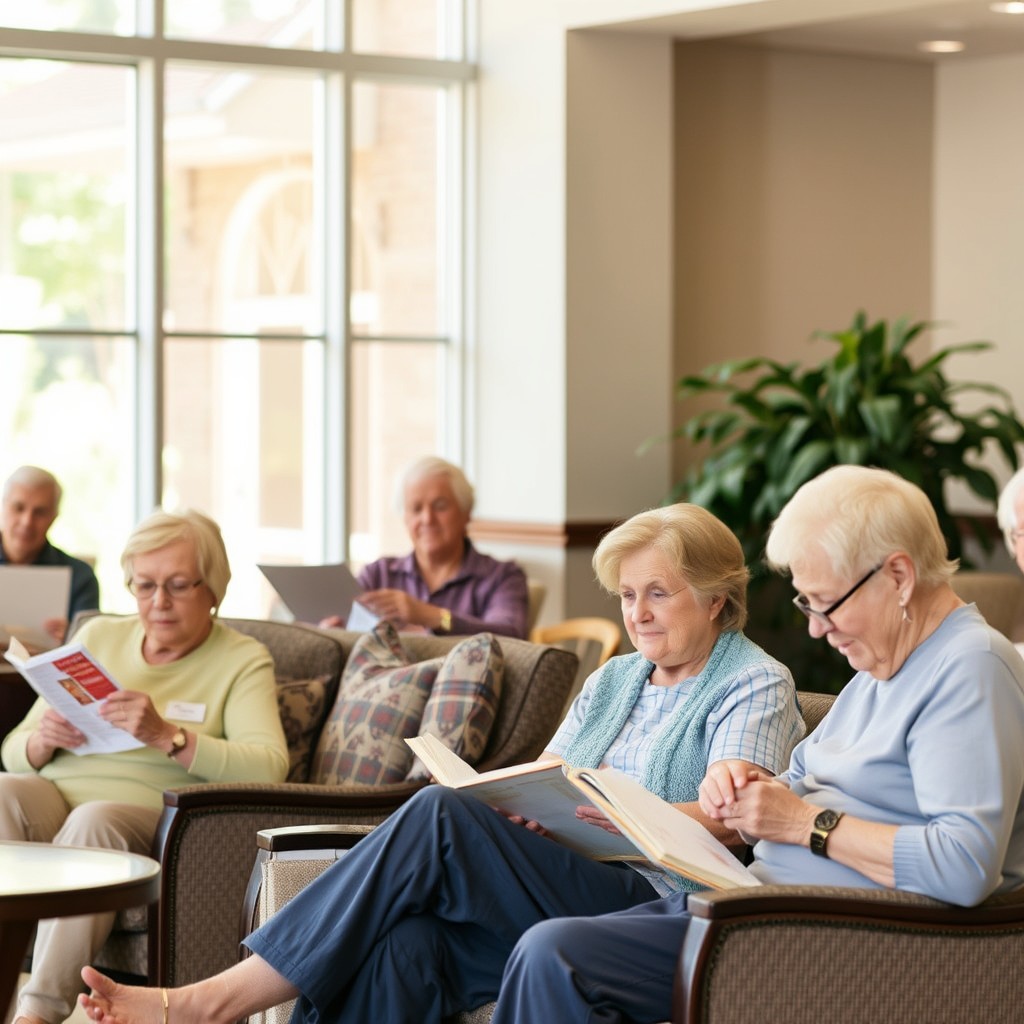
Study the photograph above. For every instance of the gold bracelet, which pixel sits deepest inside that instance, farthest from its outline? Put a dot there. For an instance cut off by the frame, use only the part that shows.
(446, 621)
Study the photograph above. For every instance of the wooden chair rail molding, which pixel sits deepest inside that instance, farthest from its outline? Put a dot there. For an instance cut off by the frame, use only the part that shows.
(554, 535)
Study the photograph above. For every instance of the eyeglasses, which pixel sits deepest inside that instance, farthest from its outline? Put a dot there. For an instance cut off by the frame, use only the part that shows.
(823, 616)
(145, 590)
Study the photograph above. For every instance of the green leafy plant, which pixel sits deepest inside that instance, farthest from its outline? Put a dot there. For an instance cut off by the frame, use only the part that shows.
(779, 424)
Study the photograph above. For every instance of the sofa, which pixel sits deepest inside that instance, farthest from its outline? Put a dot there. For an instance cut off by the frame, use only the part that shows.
(206, 836)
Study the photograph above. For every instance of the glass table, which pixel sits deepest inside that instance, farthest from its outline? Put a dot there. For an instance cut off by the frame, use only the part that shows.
(38, 880)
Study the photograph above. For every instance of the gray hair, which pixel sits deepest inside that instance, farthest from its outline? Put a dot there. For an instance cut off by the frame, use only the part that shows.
(857, 516)
(158, 530)
(700, 547)
(33, 477)
(433, 465)
(1006, 512)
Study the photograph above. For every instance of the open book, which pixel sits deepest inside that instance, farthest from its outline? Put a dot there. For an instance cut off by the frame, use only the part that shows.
(549, 792)
(74, 684)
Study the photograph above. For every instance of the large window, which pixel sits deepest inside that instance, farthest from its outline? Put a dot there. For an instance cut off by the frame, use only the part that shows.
(231, 270)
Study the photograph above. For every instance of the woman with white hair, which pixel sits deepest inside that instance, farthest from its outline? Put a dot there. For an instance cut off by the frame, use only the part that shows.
(444, 584)
(199, 698)
(914, 780)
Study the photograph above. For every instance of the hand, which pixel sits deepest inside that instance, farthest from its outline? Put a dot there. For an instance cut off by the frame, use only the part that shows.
(724, 779)
(765, 808)
(527, 823)
(592, 816)
(332, 622)
(53, 733)
(398, 607)
(133, 711)
(57, 628)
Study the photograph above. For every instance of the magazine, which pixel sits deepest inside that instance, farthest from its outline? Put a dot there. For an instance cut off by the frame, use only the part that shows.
(75, 685)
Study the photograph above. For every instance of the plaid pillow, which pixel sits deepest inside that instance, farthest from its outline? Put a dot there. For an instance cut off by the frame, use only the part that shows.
(380, 702)
(464, 700)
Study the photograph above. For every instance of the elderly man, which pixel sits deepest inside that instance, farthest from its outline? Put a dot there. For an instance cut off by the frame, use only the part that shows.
(31, 499)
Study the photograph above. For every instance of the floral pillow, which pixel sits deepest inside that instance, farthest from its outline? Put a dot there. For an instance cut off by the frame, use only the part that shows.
(380, 702)
(463, 703)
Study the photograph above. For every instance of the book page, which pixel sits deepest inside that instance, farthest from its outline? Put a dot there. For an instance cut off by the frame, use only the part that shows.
(666, 834)
(442, 762)
(29, 595)
(74, 684)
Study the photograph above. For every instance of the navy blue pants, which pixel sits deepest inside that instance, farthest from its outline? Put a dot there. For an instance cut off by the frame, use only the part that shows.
(584, 970)
(417, 921)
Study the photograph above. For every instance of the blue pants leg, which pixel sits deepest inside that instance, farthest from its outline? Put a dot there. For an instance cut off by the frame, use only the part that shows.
(614, 968)
(468, 878)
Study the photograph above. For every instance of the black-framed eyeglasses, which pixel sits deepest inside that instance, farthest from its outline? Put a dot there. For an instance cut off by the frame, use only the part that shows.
(175, 589)
(823, 616)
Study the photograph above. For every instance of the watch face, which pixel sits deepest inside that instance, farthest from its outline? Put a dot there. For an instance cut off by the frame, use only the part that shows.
(828, 819)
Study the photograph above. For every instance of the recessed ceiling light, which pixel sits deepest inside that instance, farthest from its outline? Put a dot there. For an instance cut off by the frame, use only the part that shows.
(1013, 7)
(941, 46)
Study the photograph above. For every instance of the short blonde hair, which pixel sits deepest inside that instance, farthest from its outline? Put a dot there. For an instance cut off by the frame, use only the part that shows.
(1006, 512)
(162, 528)
(700, 547)
(858, 516)
(433, 465)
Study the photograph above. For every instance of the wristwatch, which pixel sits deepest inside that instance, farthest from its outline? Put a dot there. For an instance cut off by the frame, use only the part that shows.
(178, 742)
(823, 825)
(446, 621)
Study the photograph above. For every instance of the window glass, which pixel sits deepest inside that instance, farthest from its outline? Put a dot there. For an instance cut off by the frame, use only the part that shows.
(243, 442)
(394, 418)
(407, 28)
(70, 409)
(396, 208)
(240, 201)
(65, 190)
(112, 16)
(292, 23)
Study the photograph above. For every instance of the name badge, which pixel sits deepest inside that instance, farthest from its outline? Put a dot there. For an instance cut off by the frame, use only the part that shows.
(185, 711)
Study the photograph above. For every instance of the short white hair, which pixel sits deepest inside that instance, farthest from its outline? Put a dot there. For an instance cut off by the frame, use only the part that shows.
(433, 465)
(1006, 511)
(33, 477)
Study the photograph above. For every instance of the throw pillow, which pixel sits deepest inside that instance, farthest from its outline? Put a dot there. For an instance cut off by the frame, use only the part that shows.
(380, 702)
(464, 700)
(301, 706)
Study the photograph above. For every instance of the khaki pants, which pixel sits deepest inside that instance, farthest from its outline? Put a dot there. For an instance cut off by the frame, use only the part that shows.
(32, 809)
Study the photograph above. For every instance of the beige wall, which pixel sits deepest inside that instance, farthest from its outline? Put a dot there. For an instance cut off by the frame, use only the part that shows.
(803, 193)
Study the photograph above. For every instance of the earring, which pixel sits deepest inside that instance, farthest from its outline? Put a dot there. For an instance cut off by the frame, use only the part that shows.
(906, 614)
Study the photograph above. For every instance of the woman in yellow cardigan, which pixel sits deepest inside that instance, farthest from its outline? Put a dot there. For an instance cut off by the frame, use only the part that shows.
(199, 698)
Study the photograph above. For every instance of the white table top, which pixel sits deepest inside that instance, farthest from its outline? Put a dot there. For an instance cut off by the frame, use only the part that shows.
(53, 881)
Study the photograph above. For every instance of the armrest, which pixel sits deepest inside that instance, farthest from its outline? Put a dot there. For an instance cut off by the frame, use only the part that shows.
(300, 838)
(790, 944)
(206, 844)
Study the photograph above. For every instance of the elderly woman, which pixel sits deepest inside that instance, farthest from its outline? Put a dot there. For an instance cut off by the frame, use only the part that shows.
(417, 921)
(913, 781)
(445, 585)
(198, 696)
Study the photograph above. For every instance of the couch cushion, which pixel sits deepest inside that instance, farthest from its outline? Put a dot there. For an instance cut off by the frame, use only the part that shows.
(380, 702)
(464, 700)
(301, 703)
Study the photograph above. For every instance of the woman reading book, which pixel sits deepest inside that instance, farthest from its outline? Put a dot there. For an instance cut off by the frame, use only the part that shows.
(199, 700)
(418, 920)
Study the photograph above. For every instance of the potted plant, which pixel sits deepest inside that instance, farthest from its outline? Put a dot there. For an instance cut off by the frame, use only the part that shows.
(869, 403)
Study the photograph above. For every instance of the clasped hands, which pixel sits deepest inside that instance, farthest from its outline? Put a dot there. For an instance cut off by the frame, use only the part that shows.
(755, 804)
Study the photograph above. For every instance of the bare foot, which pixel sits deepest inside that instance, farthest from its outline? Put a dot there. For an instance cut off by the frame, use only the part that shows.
(111, 1003)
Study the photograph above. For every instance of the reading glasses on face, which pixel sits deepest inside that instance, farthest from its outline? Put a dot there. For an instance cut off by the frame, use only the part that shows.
(823, 616)
(174, 589)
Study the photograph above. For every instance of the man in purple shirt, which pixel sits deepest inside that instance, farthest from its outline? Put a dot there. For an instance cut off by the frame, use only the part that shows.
(444, 585)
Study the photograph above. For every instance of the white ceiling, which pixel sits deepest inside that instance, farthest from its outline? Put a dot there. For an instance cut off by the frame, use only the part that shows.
(890, 28)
